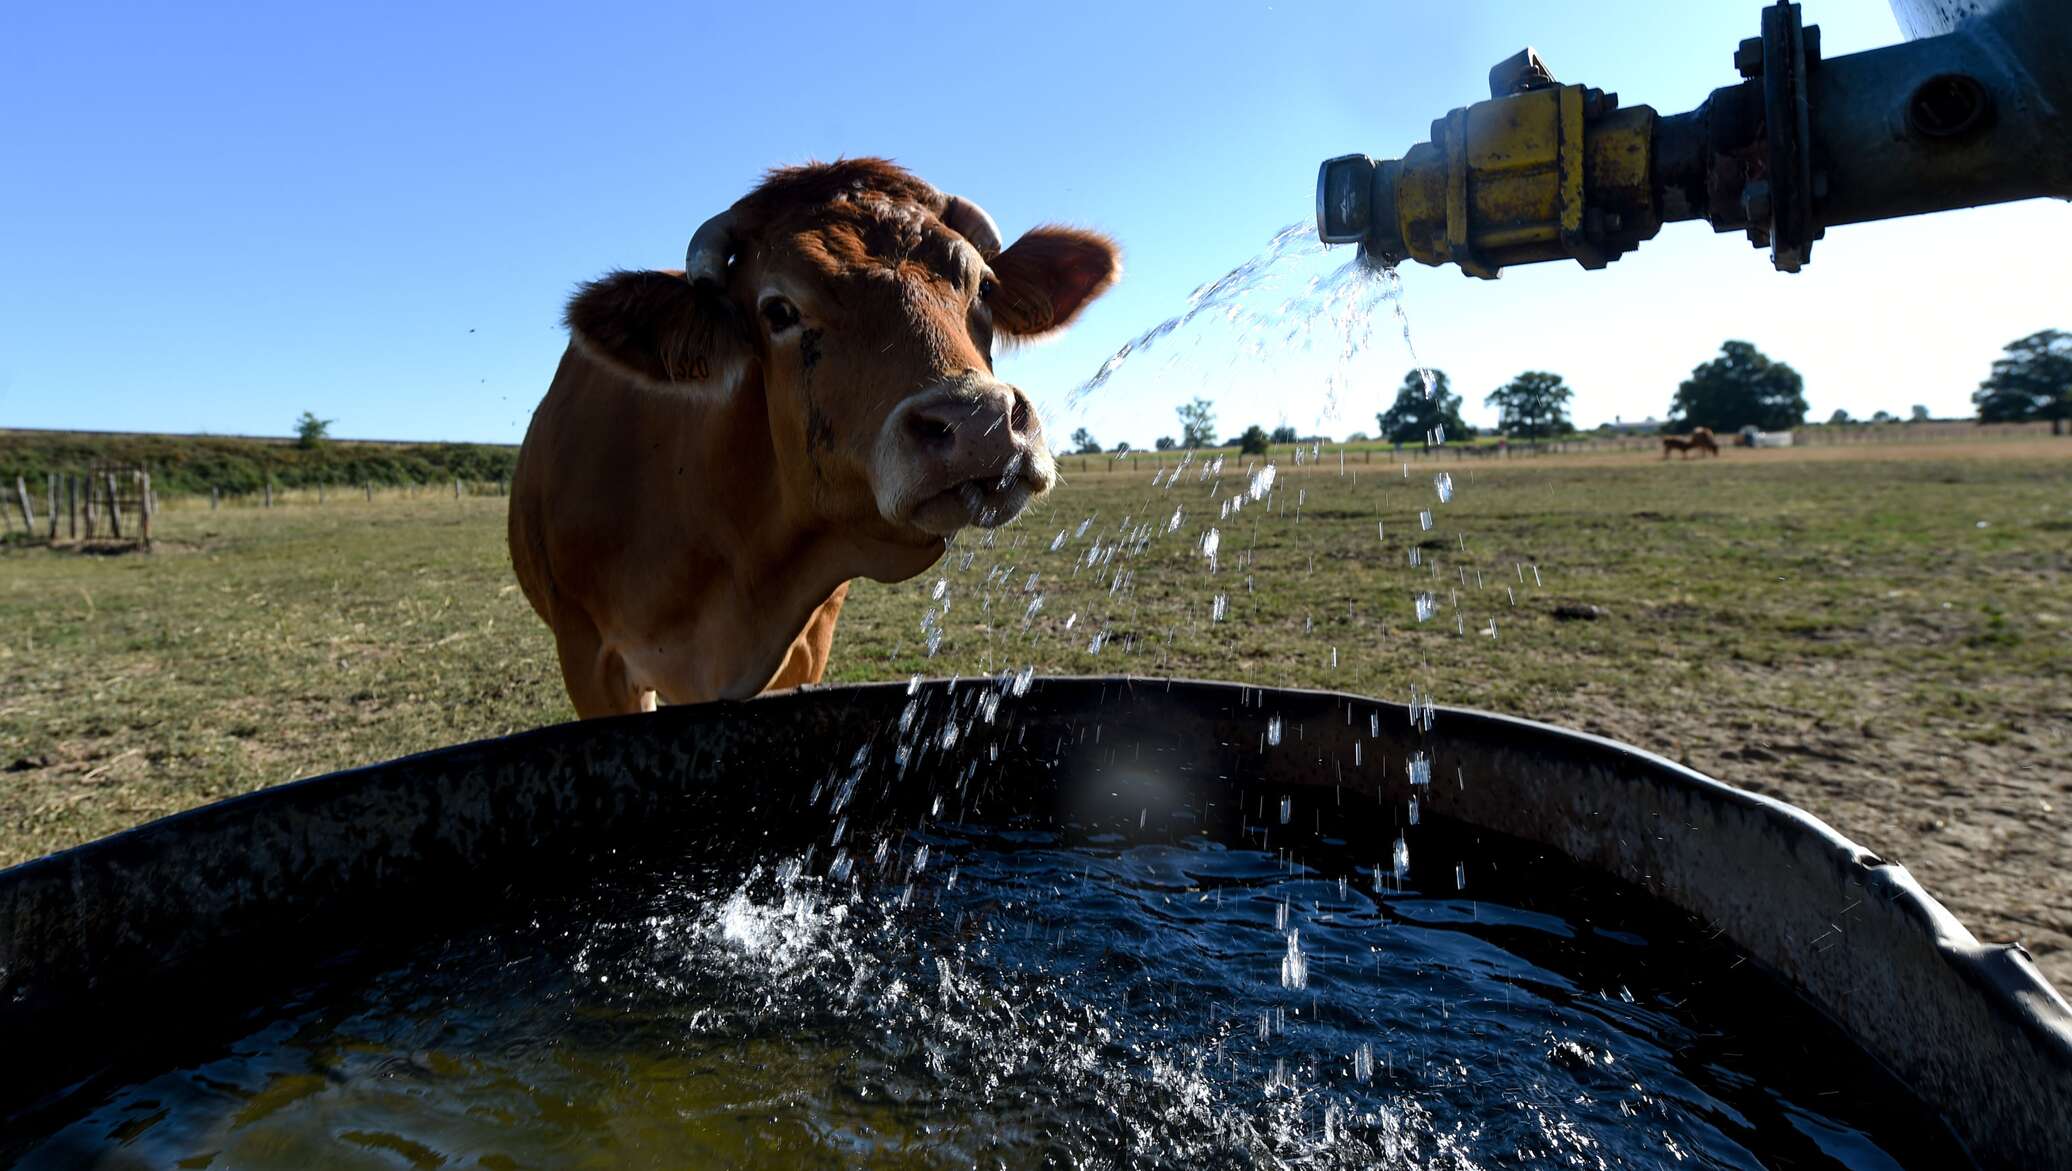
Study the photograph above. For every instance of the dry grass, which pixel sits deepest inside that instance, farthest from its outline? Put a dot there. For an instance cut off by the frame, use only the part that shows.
(1879, 633)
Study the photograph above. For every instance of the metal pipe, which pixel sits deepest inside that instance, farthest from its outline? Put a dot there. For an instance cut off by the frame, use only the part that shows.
(1977, 110)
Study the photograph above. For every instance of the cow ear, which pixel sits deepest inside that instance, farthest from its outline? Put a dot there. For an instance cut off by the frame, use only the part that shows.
(1048, 276)
(661, 328)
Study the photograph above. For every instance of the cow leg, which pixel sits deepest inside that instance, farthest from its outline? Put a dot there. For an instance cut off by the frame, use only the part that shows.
(594, 674)
(807, 660)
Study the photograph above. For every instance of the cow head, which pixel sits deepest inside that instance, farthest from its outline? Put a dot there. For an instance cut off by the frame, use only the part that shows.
(863, 306)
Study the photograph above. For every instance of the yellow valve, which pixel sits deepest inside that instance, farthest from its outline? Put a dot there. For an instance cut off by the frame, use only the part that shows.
(1555, 171)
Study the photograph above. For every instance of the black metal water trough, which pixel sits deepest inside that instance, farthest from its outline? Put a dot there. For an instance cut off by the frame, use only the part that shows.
(170, 926)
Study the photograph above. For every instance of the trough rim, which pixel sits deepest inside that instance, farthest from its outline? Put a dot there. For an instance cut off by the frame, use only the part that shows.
(1948, 933)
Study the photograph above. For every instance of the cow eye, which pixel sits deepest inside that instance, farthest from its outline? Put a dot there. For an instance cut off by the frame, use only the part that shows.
(986, 288)
(780, 313)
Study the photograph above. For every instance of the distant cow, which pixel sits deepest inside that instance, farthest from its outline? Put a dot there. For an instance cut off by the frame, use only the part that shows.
(811, 400)
(1700, 439)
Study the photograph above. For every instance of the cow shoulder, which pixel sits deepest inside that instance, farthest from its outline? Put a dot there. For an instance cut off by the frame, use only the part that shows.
(659, 328)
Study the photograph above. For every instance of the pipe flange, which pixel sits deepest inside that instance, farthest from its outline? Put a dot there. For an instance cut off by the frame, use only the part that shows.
(1789, 49)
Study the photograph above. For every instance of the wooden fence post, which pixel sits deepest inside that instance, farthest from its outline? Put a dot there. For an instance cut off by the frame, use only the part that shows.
(21, 494)
(320, 491)
(72, 506)
(215, 498)
(114, 507)
(269, 491)
(456, 487)
(369, 486)
(144, 508)
(50, 490)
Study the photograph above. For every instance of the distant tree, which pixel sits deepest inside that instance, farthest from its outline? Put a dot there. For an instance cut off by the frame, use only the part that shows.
(1533, 405)
(1357, 437)
(1083, 443)
(1197, 424)
(1413, 416)
(1283, 434)
(2031, 380)
(1884, 417)
(310, 431)
(1122, 448)
(1839, 418)
(1253, 441)
(1165, 443)
(1920, 414)
(1741, 387)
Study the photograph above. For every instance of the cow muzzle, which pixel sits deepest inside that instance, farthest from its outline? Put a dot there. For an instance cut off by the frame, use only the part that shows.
(967, 454)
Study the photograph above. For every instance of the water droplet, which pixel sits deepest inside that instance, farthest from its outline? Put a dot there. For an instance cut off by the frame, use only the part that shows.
(1420, 769)
(1443, 484)
(1273, 730)
(1294, 965)
(1400, 863)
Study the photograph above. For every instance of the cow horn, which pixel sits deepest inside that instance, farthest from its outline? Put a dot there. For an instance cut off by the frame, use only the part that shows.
(706, 259)
(970, 221)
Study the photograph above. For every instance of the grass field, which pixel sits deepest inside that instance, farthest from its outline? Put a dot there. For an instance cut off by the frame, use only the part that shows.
(1880, 634)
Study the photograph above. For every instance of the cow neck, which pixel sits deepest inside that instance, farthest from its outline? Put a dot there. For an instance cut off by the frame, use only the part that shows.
(787, 556)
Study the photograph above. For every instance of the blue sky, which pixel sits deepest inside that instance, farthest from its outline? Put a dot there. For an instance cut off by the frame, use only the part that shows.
(216, 217)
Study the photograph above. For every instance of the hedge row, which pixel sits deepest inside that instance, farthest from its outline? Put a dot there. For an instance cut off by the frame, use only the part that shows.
(182, 464)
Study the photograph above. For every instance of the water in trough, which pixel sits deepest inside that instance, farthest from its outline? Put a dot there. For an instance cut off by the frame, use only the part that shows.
(1009, 997)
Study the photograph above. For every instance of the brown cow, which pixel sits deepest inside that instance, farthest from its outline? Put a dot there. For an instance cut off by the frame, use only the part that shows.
(1700, 440)
(811, 400)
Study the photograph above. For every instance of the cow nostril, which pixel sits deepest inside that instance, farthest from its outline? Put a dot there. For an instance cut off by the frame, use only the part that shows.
(1018, 418)
(929, 429)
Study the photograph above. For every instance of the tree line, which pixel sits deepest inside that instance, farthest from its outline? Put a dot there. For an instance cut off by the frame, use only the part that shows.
(1742, 387)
